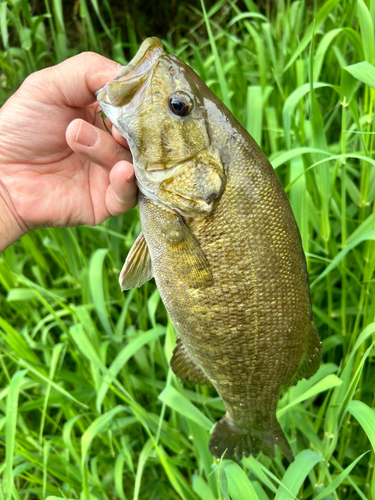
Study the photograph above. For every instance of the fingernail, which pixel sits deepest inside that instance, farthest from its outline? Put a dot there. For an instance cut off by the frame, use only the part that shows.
(87, 135)
(131, 178)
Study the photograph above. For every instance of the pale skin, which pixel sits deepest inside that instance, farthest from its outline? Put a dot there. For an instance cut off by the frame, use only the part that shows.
(59, 167)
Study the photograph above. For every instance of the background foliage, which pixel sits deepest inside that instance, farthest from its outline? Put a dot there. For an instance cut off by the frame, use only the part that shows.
(89, 407)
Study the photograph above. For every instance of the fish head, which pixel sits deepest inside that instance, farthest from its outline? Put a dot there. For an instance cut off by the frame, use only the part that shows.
(158, 104)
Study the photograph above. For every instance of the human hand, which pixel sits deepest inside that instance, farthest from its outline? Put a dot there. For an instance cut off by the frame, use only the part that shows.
(58, 165)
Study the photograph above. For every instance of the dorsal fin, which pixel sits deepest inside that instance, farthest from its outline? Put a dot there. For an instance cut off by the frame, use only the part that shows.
(137, 268)
(311, 360)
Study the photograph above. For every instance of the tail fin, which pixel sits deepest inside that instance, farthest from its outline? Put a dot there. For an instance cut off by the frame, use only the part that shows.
(236, 441)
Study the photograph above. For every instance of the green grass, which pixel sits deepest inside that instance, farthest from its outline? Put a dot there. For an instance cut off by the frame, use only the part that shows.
(89, 408)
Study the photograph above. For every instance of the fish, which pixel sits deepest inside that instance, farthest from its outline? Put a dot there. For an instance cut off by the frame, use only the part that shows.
(220, 239)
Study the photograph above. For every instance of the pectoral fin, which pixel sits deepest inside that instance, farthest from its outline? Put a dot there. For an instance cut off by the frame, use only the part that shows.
(192, 262)
(184, 366)
(137, 268)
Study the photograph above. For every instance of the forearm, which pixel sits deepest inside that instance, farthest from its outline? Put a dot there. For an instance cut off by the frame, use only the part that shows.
(10, 230)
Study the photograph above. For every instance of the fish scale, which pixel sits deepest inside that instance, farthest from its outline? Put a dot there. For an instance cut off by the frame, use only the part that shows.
(220, 239)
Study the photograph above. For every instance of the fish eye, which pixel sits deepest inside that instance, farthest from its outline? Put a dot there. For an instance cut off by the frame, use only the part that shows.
(180, 104)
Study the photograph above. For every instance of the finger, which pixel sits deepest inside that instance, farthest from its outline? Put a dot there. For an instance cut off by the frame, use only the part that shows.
(75, 81)
(95, 144)
(119, 138)
(121, 194)
(98, 122)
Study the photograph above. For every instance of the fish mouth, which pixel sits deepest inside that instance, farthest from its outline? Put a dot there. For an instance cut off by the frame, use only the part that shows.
(123, 88)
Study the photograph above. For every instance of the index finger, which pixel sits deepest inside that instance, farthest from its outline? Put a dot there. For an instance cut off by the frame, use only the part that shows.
(74, 82)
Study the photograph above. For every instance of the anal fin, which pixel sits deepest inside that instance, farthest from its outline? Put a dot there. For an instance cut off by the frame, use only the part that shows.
(184, 366)
(137, 268)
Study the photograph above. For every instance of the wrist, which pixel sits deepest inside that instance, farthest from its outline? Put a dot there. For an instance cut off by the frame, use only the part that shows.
(10, 229)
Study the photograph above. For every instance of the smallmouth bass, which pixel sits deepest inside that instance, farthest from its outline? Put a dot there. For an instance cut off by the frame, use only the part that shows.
(220, 239)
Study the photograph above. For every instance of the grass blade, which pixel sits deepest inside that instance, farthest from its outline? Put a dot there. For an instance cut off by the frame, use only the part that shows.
(218, 64)
(239, 485)
(97, 287)
(11, 424)
(296, 474)
(339, 479)
(323, 385)
(314, 26)
(367, 31)
(182, 405)
(366, 417)
(125, 354)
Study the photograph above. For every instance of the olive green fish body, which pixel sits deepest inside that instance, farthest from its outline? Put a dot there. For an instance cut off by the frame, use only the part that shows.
(251, 329)
(219, 236)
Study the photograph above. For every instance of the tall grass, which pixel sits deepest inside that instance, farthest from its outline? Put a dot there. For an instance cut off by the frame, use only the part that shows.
(89, 407)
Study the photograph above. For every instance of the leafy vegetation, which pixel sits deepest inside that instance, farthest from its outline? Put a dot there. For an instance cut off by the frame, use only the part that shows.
(89, 407)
